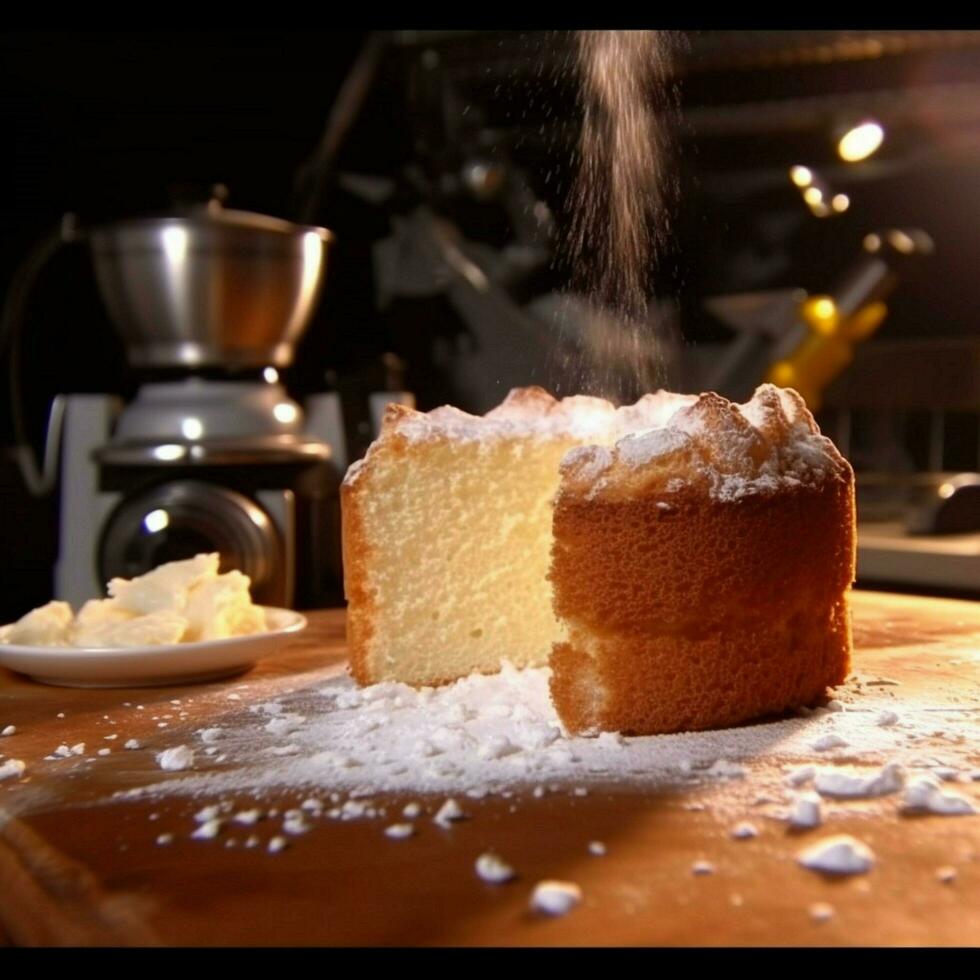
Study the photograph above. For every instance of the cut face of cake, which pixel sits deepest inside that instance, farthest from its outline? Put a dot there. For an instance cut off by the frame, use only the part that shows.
(447, 533)
(683, 561)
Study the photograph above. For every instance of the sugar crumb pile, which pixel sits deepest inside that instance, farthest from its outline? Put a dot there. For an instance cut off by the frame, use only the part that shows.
(499, 734)
(347, 752)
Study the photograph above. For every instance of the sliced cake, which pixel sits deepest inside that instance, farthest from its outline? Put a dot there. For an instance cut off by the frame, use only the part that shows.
(683, 561)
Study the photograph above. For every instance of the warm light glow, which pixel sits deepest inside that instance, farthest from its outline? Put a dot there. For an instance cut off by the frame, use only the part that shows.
(156, 520)
(285, 412)
(782, 374)
(270, 374)
(840, 203)
(860, 142)
(168, 452)
(175, 242)
(946, 490)
(801, 176)
(824, 308)
(813, 196)
(312, 257)
(901, 242)
(192, 428)
(872, 242)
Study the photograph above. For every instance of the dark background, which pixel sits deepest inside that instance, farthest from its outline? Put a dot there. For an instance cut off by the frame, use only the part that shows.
(113, 124)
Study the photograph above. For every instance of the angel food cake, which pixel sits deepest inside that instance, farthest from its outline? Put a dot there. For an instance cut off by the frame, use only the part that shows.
(682, 562)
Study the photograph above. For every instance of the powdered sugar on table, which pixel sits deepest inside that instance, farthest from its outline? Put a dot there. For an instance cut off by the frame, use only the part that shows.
(495, 734)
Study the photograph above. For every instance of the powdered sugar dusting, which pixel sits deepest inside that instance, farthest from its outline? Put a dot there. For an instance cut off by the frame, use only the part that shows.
(532, 413)
(769, 443)
(486, 735)
(644, 447)
(590, 461)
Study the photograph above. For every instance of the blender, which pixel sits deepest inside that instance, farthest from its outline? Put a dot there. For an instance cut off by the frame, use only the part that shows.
(212, 454)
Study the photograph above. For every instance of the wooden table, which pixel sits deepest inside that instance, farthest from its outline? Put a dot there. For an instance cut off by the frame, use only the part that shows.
(77, 867)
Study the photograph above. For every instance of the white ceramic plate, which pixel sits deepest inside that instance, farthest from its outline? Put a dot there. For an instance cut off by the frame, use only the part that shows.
(152, 666)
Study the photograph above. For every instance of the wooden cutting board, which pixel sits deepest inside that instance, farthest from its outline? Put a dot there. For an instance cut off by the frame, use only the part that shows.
(77, 867)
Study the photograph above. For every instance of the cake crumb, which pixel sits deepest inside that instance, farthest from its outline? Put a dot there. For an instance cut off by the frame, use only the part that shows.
(176, 759)
(208, 830)
(164, 839)
(946, 874)
(277, 844)
(449, 812)
(555, 897)
(494, 870)
(9, 730)
(132, 743)
(850, 786)
(496, 747)
(702, 868)
(925, 795)
(805, 812)
(400, 831)
(838, 855)
(295, 823)
(744, 831)
(828, 742)
(821, 911)
(411, 810)
(12, 769)
(725, 769)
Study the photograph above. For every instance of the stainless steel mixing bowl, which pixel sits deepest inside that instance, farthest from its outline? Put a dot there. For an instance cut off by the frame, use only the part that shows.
(211, 288)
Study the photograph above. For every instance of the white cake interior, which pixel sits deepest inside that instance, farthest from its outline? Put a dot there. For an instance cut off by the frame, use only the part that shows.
(462, 584)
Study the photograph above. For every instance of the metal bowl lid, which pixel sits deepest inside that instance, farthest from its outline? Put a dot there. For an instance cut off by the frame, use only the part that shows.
(214, 215)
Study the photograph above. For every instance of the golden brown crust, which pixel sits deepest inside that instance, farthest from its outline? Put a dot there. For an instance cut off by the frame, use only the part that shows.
(666, 561)
(360, 602)
(533, 398)
(688, 613)
(395, 414)
(690, 682)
